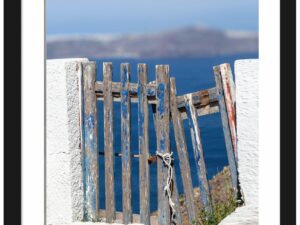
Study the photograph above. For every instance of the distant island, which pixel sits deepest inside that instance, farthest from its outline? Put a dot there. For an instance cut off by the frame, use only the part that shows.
(178, 43)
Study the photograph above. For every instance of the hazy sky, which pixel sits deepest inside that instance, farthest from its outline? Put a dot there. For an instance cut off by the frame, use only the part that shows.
(127, 16)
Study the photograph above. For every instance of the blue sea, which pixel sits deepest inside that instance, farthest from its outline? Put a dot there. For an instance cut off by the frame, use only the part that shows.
(192, 74)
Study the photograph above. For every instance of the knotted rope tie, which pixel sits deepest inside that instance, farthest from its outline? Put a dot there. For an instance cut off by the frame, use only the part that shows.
(167, 159)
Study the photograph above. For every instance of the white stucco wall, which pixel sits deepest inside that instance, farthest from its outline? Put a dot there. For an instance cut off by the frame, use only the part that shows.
(64, 194)
(246, 79)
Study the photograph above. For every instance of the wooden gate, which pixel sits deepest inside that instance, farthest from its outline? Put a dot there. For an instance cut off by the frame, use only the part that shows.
(167, 107)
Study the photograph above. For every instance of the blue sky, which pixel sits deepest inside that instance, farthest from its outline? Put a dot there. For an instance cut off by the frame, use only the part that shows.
(66, 17)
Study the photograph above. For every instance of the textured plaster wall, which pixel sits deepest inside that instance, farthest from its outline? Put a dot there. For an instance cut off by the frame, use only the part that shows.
(246, 79)
(64, 195)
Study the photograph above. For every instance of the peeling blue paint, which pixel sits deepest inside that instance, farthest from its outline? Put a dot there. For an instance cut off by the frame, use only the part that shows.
(125, 138)
(150, 91)
(124, 103)
(162, 145)
(161, 97)
(90, 121)
(94, 198)
(202, 176)
(89, 141)
(124, 78)
(140, 111)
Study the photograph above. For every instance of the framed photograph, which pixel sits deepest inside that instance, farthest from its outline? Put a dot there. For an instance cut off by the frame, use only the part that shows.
(156, 113)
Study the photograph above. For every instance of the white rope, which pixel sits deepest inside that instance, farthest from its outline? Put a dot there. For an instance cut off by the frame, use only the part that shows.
(167, 159)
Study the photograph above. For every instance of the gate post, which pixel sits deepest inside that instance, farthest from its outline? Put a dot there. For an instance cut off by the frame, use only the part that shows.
(226, 130)
(90, 159)
(229, 95)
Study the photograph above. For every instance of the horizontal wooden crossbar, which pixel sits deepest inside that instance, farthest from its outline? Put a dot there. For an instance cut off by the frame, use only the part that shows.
(205, 101)
(151, 159)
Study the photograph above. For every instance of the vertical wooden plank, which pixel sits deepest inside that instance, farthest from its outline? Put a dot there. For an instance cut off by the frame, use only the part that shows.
(91, 179)
(229, 94)
(175, 195)
(175, 199)
(143, 124)
(125, 140)
(226, 130)
(108, 142)
(182, 153)
(198, 152)
(163, 140)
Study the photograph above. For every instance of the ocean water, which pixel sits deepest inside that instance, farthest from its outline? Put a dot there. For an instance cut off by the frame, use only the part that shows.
(191, 75)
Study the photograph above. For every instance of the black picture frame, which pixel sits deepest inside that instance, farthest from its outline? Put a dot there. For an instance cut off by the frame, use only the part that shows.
(12, 112)
(288, 112)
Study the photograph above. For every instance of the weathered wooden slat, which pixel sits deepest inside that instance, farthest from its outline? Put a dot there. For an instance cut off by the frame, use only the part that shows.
(226, 69)
(163, 140)
(175, 199)
(211, 109)
(229, 94)
(205, 101)
(199, 155)
(198, 96)
(91, 178)
(151, 158)
(133, 88)
(175, 195)
(125, 140)
(108, 142)
(143, 124)
(226, 131)
(182, 153)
